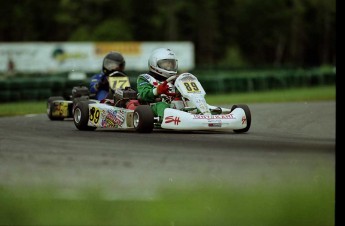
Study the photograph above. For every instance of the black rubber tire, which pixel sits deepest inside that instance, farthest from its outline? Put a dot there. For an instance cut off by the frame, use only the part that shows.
(143, 119)
(79, 91)
(81, 116)
(248, 116)
(50, 108)
(76, 100)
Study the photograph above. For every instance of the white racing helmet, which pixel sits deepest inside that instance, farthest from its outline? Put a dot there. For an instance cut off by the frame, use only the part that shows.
(163, 62)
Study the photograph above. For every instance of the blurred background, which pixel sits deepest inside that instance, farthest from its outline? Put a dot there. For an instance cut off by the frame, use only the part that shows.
(278, 39)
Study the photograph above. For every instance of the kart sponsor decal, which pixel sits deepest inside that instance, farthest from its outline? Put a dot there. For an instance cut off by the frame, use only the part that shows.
(244, 119)
(60, 109)
(120, 117)
(113, 119)
(215, 125)
(107, 123)
(103, 113)
(169, 119)
(110, 119)
(228, 116)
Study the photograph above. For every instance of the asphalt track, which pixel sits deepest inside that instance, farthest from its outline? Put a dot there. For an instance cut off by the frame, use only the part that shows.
(287, 142)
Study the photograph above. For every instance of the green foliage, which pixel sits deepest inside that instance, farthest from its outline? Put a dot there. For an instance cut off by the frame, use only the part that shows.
(233, 58)
(266, 33)
(110, 30)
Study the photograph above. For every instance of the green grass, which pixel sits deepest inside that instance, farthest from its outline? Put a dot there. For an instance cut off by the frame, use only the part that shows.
(292, 204)
(322, 93)
(288, 95)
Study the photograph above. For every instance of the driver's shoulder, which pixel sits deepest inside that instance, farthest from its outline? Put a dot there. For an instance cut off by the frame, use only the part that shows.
(96, 76)
(145, 76)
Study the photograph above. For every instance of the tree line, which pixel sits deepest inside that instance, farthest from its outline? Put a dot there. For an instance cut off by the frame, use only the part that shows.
(226, 33)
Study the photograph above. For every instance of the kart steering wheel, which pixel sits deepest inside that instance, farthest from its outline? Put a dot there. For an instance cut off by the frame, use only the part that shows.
(171, 78)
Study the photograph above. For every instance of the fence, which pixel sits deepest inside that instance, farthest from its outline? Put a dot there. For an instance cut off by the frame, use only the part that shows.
(22, 87)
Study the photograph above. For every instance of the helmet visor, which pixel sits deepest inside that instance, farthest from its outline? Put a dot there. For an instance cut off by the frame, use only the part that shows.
(111, 65)
(168, 64)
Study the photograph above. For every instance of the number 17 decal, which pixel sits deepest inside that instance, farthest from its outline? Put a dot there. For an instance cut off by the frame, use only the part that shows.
(119, 82)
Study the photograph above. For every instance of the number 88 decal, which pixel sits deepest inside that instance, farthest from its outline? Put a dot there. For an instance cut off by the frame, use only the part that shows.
(94, 115)
(191, 87)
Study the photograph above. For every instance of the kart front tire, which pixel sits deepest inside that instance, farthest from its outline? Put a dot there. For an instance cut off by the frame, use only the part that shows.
(143, 119)
(248, 117)
(81, 116)
(50, 108)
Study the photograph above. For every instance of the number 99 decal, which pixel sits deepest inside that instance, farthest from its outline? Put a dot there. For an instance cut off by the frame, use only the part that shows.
(94, 115)
(191, 87)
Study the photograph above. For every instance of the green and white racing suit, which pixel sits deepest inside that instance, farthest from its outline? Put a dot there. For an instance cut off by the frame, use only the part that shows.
(147, 91)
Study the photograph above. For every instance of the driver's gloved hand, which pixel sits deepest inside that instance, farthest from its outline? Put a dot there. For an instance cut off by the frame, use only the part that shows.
(104, 77)
(103, 84)
(163, 88)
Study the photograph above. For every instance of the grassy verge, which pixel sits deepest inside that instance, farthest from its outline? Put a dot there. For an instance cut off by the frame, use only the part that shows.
(289, 95)
(322, 93)
(306, 204)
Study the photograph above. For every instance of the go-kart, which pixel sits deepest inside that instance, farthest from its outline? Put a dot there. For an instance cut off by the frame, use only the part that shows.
(60, 107)
(188, 110)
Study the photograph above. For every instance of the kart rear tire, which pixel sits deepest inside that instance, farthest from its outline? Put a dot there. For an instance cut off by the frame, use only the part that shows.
(143, 119)
(81, 116)
(80, 91)
(78, 99)
(50, 108)
(248, 116)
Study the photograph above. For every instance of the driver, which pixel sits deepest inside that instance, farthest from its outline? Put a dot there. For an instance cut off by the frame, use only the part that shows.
(99, 85)
(162, 65)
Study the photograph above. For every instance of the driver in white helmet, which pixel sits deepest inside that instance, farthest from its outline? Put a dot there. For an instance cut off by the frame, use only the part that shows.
(162, 65)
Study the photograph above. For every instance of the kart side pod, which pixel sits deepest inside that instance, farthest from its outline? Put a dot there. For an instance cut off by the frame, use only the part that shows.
(238, 120)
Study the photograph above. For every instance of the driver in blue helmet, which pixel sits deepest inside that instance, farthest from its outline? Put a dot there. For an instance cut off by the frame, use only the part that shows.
(99, 85)
(162, 65)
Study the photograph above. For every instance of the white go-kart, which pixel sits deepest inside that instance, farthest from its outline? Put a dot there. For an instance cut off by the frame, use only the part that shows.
(188, 110)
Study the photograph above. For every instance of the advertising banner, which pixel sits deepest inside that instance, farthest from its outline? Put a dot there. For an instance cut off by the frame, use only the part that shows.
(46, 57)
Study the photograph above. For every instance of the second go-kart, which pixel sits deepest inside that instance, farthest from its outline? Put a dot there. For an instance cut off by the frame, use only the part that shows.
(59, 107)
(188, 110)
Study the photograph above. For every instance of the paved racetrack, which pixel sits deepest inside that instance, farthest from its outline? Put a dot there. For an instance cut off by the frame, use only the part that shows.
(287, 141)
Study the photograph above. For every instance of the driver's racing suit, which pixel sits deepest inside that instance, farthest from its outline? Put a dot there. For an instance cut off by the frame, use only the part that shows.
(147, 92)
(99, 85)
